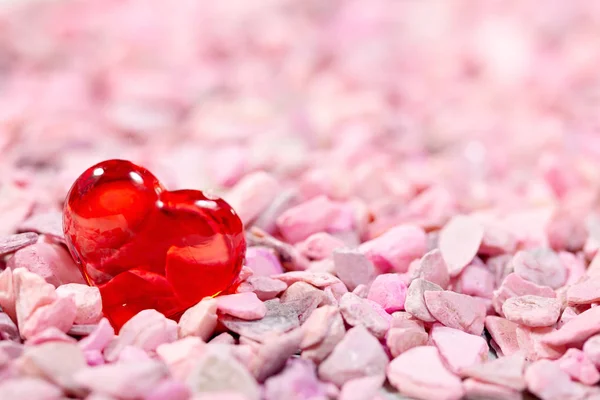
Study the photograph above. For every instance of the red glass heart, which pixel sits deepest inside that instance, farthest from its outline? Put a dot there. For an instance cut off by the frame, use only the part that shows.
(145, 247)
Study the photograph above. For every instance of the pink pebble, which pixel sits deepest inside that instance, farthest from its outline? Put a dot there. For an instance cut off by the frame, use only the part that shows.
(264, 287)
(28, 389)
(459, 242)
(49, 261)
(12, 243)
(456, 310)
(44, 223)
(242, 305)
(353, 268)
(514, 286)
(396, 248)
(575, 265)
(252, 195)
(361, 388)
(87, 300)
(433, 268)
(532, 342)
(99, 338)
(459, 349)
(357, 311)
(401, 339)
(591, 348)
(476, 280)
(318, 279)
(51, 334)
(31, 292)
(420, 372)
(199, 320)
(475, 389)
(566, 232)
(415, 299)
(323, 330)
(389, 291)
(303, 299)
(312, 216)
(497, 240)
(361, 291)
(540, 266)
(533, 311)
(584, 292)
(577, 329)
(504, 371)
(579, 367)
(270, 357)
(223, 338)
(546, 380)
(504, 333)
(180, 355)
(319, 246)
(263, 261)
(358, 354)
(297, 381)
(8, 294)
(169, 389)
(132, 354)
(8, 329)
(59, 314)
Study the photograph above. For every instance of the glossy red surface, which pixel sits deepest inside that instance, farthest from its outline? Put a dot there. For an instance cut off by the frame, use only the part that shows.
(146, 247)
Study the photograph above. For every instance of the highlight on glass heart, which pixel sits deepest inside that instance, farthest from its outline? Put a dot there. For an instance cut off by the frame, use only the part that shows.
(145, 247)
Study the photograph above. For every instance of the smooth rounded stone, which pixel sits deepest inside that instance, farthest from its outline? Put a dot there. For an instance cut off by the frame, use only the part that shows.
(459, 242)
(358, 354)
(533, 311)
(541, 266)
(456, 310)
(217, 371)
(514, 286)
(415, 300)
(199, 320)
(420, 373)
(319, 280)
(51, 334)
(566, 232)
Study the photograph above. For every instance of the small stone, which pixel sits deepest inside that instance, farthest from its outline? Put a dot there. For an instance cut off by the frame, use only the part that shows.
(87, 300)
(357, 311)
(223, 338)
(546, 380)
(459, 242)
(297, 381)
(124, 380)
(303, 298)
(459, 349)
(31, 291)
(180, 355)
(476, 390)
(504, 333)
(353, 268)
(401, 339)
(420, 372)
(48, 335)
(199, 320)
(44, 223)
(433, 268)
(265, 288)
(263, 261)
(514, 286)
(577, 329)
(99, 338)
(531, 342)
(361, 388)
(12, 243)
(59, 314)
(541, 266)
(584, 292)
(216, 371)
(318, 279)
(279, 319)
(415, 300)
(456, 310)
(169, 389)
(579, 367)
(396, 248)
(504, 371)
(8, 329)
(533, 311)
(389, 291)
(357, 355)
(476, 280)
(28, 389)
(272, 355)
(245, 306)
(319, 246)
(252, 195)
(323, 330)
(566, 232)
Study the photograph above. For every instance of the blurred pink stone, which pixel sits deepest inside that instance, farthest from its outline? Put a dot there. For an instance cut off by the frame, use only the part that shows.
(459, 349)
(546, 380)
(389, 291)
(242, 305)
(459, 242)
(51, 334)
(532, 311)
(262, 261)
(264, 287)
(584, 292)
(456, 310)
(199, 320)
(301, 221)
(12, 243)
(401, 339)
(41, 361)
(358, 354)
(297, 381)
(87, 300)
(566, 232)
(270, 357)
(396, 248)
(169, 389)
(25, 388)
(475, 389)
(575, 265)
(420, 372)
(319, 245)
(540, 266)
(504, 371)
(99, 338)
(252, 195)
(353, 268)
(51, 262)
(579, 367)
(180, 355)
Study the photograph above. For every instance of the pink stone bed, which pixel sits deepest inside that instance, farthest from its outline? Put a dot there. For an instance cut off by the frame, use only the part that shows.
(419, 182)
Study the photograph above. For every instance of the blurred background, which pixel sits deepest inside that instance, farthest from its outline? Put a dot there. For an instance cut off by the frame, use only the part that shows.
(417, 108)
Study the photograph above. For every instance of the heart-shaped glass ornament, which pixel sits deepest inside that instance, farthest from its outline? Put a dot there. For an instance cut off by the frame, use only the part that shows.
(146, 247)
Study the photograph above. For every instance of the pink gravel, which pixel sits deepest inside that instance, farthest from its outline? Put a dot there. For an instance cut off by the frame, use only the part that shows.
(417, 179)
